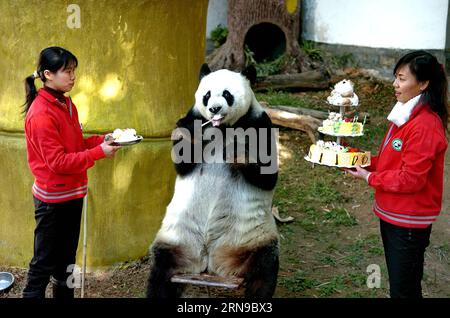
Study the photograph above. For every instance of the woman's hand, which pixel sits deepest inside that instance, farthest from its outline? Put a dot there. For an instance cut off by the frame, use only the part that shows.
(107, 148)
(359, 173)
(109, 137)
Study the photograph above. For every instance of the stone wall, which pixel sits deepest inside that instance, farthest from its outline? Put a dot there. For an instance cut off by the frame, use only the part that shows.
(381, 60)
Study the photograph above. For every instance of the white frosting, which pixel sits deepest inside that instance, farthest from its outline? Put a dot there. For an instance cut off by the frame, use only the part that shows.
(335, 116)
(338, 100)
(331, 145)
(343, 94)
(124, 135)
(332, 118)
(344, 88)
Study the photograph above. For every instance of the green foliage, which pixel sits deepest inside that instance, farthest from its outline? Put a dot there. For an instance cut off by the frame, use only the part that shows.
(324, 193)
(376, 250)
(328, 260)
(297, 282)
(310, 49)
(362, 247)
(336, 284)
(355, 259)
(442, 252)
(264, 68)
(287, 232)
(374, 245)
(281, 98)
(219, 35)
(249, 56)
(358, 278)
(340, 216)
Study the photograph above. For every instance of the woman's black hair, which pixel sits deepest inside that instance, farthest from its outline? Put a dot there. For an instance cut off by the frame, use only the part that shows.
(52, 59)
(425, 67)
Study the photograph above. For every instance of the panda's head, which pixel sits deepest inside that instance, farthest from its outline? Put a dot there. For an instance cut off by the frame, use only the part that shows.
(224, 96)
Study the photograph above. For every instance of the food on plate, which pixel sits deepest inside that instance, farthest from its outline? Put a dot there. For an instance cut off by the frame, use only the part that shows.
(124, 135)
(343, 94)
(332, 154)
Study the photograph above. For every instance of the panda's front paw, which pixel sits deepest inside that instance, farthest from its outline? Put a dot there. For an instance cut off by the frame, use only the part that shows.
(242, 161)
(180, 133)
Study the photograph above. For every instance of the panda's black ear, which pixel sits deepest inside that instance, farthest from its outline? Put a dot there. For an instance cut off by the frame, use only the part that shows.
(250, 73)
(204, 70)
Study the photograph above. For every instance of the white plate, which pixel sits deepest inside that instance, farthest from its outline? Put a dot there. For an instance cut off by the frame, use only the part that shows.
(339, 166)
(339, 135)
(128, 142)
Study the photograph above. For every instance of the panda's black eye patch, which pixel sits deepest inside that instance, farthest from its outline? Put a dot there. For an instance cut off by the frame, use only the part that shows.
(228, 97)
(206, 98)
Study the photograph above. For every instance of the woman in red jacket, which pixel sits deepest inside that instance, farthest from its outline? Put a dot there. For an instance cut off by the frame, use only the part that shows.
(407, 174)
(58, 157)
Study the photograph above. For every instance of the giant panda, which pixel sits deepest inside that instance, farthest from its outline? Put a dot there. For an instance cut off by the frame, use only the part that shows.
(219, 220)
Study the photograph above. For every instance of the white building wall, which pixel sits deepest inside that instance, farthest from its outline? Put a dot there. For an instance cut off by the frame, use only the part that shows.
(398, 24)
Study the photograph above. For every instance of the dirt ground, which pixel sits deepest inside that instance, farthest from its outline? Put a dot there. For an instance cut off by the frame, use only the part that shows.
(334, 238)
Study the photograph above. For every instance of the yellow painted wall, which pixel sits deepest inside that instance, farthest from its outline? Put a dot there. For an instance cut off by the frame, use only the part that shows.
(138, 67)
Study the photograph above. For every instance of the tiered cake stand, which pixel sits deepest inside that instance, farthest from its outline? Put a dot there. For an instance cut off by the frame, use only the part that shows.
(339, 136)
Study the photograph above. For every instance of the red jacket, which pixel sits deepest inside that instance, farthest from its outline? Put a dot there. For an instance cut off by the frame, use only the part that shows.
(408, 172)
(57, 154)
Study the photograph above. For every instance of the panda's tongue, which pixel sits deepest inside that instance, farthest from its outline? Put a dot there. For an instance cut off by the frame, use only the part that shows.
(217, 120)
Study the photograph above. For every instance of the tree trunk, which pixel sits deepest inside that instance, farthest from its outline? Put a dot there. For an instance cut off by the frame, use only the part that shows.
(304, 123)
(315, 113)
(302, 111)
(310, 79)
(245, 14)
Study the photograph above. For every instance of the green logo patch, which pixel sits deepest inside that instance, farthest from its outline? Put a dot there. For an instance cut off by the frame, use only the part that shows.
(397, 144)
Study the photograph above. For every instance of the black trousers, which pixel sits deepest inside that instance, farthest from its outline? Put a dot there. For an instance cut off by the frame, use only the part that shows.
(404, 249)
(55, 244)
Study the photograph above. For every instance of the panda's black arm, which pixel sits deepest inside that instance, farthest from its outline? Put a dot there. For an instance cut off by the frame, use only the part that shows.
(253, 175)
(188, 120)
(259, 174)
(186, 125)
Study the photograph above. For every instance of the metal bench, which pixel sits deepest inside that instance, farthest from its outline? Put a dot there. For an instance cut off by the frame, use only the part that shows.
(208, 281)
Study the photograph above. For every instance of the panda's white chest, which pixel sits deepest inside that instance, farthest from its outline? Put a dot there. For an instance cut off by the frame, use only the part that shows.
(206, 190)
(213, 202)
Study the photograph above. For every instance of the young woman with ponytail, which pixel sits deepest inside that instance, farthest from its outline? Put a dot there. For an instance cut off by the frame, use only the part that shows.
(58, 157)
(408, 172)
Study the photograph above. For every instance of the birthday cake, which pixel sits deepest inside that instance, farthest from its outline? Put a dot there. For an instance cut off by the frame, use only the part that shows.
(332, 154)
(337, 154)
(124, 135)
(343, 94)
(336, 125)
